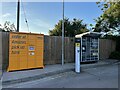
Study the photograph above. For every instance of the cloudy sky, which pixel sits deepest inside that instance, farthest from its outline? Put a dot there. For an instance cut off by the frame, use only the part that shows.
(42, 16)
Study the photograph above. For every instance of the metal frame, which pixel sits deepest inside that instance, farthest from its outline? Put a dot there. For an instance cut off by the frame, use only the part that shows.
(98, 49)
(81, 49)
(90, 49)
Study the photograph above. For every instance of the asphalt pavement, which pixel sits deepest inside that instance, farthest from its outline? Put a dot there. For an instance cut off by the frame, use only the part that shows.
(49, 70)
(97, 77)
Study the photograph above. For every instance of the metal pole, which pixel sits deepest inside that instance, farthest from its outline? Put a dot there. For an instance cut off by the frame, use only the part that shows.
(18, 15)
(63, 36)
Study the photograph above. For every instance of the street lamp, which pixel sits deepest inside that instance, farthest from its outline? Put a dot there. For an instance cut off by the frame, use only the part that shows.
(18, 15)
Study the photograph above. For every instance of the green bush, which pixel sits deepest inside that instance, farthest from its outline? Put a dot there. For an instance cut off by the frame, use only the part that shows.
(115, 55)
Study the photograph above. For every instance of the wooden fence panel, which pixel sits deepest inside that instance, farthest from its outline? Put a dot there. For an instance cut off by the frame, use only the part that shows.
(5, 49)
(69, 49)
(0, 50)
(53, 49)
(106, 47)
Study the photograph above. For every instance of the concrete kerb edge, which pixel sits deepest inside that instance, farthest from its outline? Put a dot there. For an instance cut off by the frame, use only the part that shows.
(99, 65)
(34, 77)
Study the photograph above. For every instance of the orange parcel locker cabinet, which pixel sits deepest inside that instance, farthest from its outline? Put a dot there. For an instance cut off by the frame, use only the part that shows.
(25, 51)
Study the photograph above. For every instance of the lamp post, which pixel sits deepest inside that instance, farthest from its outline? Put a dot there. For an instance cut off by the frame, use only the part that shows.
(63, 33)
(18, 15)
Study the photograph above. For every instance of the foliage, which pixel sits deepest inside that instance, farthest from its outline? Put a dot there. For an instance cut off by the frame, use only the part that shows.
(109, 21)
(72, 28)
(8, 27)
(115, 55)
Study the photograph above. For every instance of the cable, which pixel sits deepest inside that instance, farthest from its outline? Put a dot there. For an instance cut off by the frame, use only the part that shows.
(26, 21)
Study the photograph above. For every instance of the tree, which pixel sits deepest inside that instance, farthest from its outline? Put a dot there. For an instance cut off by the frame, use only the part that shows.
(109, 21)
(8, 27)
(72, 28)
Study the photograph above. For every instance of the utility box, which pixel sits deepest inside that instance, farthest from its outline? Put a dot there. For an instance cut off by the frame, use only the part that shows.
(25, 51)
(89, 46)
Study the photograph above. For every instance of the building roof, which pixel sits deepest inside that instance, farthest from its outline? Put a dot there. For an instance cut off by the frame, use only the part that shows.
(91, 34)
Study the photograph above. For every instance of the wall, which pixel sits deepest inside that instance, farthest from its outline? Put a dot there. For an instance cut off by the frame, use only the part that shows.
(106, 47)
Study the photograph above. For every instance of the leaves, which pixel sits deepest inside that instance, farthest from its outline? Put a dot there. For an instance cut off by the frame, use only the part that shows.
(72, 28)
(105, 5)
(109, 21)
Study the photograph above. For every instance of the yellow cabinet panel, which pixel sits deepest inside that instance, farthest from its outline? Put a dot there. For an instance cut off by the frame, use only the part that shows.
(13, 63)
(25, 50)
(23, 62)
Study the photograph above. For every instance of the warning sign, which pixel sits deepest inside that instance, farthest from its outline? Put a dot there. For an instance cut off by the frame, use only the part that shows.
(77, 44)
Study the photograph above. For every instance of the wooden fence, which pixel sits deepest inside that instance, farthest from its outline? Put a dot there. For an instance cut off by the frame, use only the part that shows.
(53, 52)
(106, 47)
(0, 50)
(4, 50)
(52, 49)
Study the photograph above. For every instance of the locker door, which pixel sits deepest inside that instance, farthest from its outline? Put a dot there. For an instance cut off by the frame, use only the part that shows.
(39, 51)
(13, 54)
(31, 51)
(23, 51)
(13, 63)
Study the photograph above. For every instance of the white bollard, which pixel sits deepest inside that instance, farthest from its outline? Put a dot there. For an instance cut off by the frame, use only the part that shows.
(77, 57)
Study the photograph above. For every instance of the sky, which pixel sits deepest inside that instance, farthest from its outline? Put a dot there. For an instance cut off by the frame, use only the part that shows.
(42, 16)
